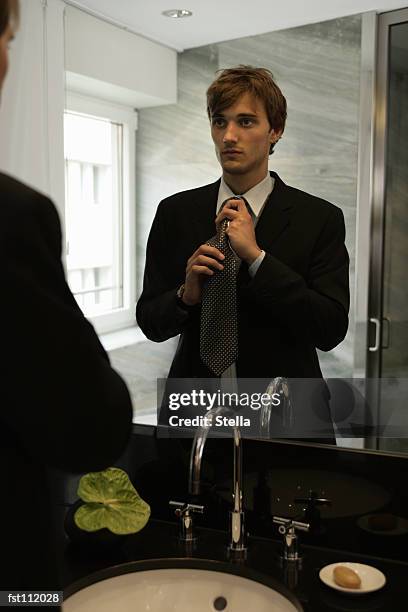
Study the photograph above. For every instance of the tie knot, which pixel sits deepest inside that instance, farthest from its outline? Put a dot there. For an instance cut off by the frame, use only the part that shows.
(239, 197)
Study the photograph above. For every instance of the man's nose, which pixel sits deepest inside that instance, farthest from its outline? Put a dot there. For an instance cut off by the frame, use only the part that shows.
(230, 134)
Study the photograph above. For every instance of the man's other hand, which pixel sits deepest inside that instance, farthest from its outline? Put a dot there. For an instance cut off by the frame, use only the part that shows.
(202, 264)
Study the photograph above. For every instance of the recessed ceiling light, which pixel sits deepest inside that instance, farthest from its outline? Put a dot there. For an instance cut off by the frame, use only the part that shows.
(177, 13)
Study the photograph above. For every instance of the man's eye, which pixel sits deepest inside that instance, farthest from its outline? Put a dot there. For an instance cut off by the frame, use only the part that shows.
(218, 122)
(246, 122)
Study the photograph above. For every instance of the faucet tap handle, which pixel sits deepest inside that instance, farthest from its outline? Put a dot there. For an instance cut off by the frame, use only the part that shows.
(184, 512)
(288, 522)
(183, 507)
(288, 528)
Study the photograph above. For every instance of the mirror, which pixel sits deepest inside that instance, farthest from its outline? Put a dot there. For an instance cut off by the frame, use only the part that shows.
(322, 70)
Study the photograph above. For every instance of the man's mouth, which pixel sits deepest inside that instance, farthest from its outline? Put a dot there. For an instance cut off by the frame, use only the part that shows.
(231, 152)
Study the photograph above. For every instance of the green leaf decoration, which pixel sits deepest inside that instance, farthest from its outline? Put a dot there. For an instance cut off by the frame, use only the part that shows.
(111, 502)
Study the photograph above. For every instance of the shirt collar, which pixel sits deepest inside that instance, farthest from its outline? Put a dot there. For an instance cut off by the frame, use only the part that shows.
(256, 196)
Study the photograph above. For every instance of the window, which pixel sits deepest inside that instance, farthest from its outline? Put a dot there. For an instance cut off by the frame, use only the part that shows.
(100, 210)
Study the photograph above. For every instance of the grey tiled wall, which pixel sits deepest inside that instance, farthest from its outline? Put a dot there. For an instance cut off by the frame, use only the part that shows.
(318, 69)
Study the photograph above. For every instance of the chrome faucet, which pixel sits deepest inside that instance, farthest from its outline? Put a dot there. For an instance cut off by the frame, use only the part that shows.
(288, 528)
(237, 529)
(184, 512)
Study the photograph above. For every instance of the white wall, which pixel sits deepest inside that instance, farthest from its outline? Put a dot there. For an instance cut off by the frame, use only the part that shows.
(31, 129)
(140, 72)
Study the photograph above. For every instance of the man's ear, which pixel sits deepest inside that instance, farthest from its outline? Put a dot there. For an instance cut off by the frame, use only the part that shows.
(275, 135)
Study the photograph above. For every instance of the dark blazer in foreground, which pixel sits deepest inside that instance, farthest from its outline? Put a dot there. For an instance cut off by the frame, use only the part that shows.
(298, 300)
(62, 405)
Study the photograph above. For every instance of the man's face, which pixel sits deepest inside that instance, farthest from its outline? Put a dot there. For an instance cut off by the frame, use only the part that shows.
(5, 39)
(242, 137)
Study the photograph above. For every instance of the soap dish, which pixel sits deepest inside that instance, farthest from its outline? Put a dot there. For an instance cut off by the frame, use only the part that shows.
(398, 527)
(371, 578)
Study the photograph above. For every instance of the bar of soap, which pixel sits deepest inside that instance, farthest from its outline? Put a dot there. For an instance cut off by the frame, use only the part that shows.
(346, 577)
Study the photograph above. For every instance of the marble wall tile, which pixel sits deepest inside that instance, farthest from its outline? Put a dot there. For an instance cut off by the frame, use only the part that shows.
(318, 69)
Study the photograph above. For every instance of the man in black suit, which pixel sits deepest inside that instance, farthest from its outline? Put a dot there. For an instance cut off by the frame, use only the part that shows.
(293, 291)
(62, 404)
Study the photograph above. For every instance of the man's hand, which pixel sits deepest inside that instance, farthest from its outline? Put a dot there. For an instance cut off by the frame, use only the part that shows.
(241, 232)
(201, 264)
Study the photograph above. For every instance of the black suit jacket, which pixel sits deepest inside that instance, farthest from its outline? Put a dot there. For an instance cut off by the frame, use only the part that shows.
(62, 405)
(298, 300)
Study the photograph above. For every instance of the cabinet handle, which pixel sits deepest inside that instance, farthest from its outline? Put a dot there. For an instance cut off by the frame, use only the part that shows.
(376, 346)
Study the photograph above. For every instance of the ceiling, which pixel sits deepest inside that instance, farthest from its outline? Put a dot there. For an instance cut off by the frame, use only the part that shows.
(218, 20)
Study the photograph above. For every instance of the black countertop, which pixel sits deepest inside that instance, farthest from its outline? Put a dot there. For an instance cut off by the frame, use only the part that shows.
(158, 541)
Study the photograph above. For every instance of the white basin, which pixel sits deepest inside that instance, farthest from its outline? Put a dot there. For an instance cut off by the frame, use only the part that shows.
(178, 589)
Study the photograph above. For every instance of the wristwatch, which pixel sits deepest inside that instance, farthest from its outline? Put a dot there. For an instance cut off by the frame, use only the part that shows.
(180, 292)
(179, 297)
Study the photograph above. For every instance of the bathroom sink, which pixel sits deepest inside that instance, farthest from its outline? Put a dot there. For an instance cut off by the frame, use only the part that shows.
(178, 585)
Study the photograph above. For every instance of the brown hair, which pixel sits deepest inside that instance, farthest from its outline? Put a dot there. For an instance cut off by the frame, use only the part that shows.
(9, 14)
(232, 83)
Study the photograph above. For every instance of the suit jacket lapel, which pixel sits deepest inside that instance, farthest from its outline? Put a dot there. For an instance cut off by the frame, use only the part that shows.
(203, 211)
(275, 216)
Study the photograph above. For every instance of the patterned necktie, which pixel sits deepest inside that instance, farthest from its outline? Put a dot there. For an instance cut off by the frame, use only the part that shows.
(219, 313)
